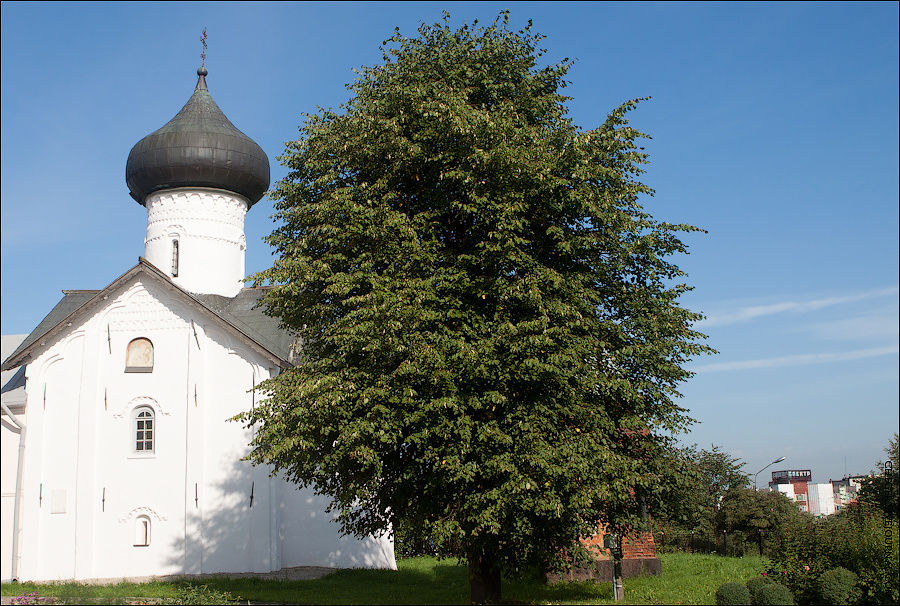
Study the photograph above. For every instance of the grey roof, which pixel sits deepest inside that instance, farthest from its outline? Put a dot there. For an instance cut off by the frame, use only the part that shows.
(72, 300)
(12, 380)
(244, 312)
(199, 147)
(241, 313)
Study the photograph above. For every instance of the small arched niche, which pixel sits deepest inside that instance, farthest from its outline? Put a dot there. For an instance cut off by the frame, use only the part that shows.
(142, 531)
(139, 355)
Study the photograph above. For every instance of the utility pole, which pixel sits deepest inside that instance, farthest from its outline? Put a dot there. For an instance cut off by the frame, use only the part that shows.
(613, 542)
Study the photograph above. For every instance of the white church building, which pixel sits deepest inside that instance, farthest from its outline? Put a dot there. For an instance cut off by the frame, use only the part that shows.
(118, 456)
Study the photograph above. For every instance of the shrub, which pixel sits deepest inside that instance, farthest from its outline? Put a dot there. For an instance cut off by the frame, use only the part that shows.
(732, 593)
(773, 593)
(839, 586)
(755, 583)
(860, 538)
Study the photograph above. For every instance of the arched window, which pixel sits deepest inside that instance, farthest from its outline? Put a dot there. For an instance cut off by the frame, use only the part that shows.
(144, 430)
(142, 531)
(139, 356)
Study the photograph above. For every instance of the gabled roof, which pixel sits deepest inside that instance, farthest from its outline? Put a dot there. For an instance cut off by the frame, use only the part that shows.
(240, 315)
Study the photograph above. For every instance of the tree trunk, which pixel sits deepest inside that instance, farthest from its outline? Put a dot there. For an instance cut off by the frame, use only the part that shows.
(484, 579)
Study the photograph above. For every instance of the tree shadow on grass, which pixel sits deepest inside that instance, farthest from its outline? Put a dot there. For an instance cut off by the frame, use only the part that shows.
(418, 581)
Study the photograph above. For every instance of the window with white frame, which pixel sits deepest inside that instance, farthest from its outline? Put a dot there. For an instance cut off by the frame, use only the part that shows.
(144, 430)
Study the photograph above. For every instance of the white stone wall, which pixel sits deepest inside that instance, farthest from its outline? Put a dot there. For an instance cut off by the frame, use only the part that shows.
(308, 536)
(9, 452)
(87, 490)
(208, 225)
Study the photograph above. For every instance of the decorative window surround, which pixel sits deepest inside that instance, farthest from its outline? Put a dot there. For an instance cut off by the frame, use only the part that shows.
(139, 355)
(144, 431)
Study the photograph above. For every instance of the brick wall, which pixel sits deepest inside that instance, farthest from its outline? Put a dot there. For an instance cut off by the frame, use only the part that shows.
(638, 559)
(636, 545)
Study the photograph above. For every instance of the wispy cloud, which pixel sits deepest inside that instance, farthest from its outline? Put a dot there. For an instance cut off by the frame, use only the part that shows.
(745, 314)
(878, 325)
(798, 360)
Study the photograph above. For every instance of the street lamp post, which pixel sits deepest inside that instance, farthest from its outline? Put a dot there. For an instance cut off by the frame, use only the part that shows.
(778, 460)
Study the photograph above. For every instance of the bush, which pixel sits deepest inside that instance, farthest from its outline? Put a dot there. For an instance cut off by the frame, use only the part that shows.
(839, 586)
(732, 593)
(860, 538)
(754, 584)
(773, 593)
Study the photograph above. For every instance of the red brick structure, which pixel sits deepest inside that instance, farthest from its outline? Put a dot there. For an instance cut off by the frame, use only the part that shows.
(638, 558)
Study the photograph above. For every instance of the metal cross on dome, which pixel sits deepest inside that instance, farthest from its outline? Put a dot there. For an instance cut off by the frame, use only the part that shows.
(203, 53)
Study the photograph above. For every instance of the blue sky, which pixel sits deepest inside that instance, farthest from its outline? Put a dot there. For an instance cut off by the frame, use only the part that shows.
(774, 127)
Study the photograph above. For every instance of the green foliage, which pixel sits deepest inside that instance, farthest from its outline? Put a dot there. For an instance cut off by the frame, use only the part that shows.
(732, 593)
(754, 584)
(490, 320)
(859, 538)
(411, 543)
(838, 586)
(749, 516)
(773, 593)
(690, 518)
(882, 489)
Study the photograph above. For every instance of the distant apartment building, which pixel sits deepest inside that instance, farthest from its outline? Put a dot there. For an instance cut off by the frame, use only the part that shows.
(792, 483)
(796, 484)
(846, 490)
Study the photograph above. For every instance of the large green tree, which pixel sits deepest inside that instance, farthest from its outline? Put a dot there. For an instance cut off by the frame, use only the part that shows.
(691, 511)
(491, 326)
(748, 515)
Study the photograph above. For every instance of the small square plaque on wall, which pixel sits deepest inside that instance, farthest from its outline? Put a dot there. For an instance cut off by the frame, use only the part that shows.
(58, 500)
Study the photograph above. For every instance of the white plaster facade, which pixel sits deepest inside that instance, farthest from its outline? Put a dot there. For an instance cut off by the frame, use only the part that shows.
(188, 227)
(90, 499)
(13, 397)
(102, 498)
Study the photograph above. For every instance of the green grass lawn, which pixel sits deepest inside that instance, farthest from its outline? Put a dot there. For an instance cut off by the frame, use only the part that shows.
(686, 579)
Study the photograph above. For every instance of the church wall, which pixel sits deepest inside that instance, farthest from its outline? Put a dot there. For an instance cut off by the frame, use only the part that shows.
(9, 452)
(310, 537)
(48, 549)
(282, 516)
(235, 525)
(81, 462)
(140, 487)
(89, 493)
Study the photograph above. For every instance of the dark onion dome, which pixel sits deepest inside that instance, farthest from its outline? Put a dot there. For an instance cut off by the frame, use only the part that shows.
(199, 147)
